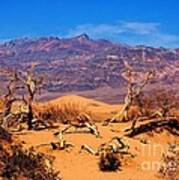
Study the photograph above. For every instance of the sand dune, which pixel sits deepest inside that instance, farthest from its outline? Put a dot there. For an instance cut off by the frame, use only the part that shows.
(98, 110)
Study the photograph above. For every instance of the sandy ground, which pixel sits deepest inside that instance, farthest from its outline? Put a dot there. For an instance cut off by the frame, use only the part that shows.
(83, 166)
(75, 165)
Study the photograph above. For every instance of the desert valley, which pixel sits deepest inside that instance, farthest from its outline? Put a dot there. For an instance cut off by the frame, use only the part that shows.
(89, 90)
(79, 108)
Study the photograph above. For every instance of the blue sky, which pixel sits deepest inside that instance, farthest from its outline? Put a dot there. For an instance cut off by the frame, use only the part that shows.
(149, 22)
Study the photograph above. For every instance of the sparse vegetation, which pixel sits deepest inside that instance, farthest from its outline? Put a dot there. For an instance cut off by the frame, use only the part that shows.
(166, 101)
(21, 163)
(144, 105)
(16, 162)
(109, 161)
(158, 103)
(20, 107)
(64, 114)
(170, 163)
(110, 153)
(4, 135)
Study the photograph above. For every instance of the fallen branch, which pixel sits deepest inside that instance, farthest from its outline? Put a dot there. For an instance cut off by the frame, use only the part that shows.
(114, 145)
(83, 122)
(171, 123)
(61, 144)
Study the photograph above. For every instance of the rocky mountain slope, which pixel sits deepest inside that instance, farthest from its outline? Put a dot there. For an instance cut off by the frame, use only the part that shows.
(82, 64)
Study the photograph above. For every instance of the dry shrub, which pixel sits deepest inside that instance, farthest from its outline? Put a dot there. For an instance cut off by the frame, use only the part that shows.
(144, 105)
(20, 163)
(161, 100)
(170, 165)
(133, 113)
(4, 135)
(166, 101)
(109, 161)
(64, 114)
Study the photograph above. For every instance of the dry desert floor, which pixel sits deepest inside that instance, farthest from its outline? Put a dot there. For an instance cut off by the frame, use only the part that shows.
(147, 148)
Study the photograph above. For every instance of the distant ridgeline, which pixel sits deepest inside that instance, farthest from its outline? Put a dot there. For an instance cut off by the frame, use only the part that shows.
(82, 64)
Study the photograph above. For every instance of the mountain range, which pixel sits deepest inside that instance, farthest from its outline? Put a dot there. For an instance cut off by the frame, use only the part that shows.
(90, 67)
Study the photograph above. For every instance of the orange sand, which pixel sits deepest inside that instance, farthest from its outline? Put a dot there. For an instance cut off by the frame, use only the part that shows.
(74, 165)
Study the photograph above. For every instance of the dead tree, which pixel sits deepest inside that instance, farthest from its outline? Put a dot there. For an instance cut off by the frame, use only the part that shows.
(33, 85)
(10, 97)
(133, 91)
(30, 85)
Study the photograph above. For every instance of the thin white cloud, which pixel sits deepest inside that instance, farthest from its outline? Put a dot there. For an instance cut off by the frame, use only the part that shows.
(168, 37)
(164, 39)
(141, 28)
(95, 30)
(148, 33)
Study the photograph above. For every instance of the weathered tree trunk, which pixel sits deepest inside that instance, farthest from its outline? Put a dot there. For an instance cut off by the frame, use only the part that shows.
(30, 117)
(171, 123)
(133, 91)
